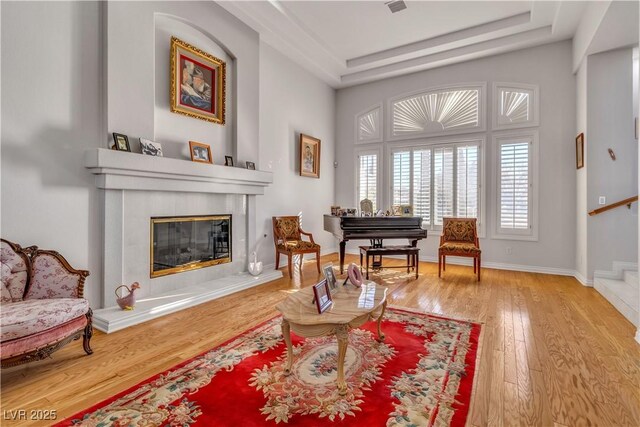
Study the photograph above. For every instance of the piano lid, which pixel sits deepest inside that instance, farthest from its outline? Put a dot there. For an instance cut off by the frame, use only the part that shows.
(380, 222)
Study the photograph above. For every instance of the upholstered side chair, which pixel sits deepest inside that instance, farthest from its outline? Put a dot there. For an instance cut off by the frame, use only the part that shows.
(459, 238)
(287, 237)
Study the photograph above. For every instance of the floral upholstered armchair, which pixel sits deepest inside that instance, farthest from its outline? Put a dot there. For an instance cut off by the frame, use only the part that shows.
(42, 304)
(287, 237)
(459, 238)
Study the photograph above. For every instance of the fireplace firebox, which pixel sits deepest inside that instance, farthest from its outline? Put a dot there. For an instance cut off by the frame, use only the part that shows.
(188, 243)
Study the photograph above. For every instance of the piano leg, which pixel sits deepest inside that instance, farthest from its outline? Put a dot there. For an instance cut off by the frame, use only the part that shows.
(342, 246)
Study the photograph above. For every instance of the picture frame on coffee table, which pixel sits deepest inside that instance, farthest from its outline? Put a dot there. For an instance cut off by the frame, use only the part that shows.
(322, 296)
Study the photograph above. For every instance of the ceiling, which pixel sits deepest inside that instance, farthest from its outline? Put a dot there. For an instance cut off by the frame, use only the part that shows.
(352, 42)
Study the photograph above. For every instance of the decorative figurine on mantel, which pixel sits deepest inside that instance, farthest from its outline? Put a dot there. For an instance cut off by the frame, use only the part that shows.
(127, 302)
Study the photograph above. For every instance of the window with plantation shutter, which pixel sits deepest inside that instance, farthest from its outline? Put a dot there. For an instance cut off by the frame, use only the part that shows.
(515, 216)
(422, 184)
(401, 178)
(438, 180)
(368, 178)
(443, 183)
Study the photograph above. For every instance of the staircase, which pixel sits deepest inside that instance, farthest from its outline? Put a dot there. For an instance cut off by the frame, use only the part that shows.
(620, 287)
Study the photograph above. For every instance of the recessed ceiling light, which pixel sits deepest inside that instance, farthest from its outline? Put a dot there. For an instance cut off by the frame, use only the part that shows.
(396, 5)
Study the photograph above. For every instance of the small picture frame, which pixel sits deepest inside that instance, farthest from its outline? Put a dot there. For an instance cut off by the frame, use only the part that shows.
(407, 210)
(580, 151)
(330, 276)
(309, 156)
(200, 152)
(150, 148)
(335, 210)
(322, 296)
(396, 210)
(121, 142)
(228, 161)
(251, 166)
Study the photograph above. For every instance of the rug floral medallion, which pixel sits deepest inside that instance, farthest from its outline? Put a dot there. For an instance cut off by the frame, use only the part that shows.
(421, 375)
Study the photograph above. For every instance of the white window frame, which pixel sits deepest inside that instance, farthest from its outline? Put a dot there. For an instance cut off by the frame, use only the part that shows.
(479, 139)
(377, 150)
(498, 87)
(374, 107)
(530, 135)
(481, 127)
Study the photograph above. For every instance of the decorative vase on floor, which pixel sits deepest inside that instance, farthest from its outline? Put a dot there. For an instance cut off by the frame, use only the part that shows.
(127, 302)
(255, 267)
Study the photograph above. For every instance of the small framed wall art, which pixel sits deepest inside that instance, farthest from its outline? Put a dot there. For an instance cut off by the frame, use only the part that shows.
(200, 152)
(309, 156)
(580, 151)
(150, 148)
(121, 142)
(197, 83)
(322, 296)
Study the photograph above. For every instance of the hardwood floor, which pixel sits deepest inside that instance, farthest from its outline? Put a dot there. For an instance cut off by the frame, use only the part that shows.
(552, 352)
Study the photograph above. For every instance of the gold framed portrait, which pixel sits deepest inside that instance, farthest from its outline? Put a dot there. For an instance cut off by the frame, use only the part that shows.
(197, 83)
(309, 156)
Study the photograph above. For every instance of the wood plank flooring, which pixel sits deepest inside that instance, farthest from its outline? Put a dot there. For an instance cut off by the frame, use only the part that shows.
(552, 352)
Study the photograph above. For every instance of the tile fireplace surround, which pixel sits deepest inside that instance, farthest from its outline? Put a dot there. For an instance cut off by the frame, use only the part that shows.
(136, 188)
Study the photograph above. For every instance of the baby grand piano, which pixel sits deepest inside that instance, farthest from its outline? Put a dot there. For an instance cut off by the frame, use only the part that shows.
(373, 228)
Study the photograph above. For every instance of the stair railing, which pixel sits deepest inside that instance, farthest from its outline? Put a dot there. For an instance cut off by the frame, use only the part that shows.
(614, 205)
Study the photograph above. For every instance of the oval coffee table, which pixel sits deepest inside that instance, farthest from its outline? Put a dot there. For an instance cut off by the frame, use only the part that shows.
(351, 308)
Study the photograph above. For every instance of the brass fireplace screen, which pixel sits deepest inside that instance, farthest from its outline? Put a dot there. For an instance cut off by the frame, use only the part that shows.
(187, 243)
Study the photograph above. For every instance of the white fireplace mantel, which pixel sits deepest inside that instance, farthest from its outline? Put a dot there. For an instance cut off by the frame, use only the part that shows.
(121, 170)
(127, 178)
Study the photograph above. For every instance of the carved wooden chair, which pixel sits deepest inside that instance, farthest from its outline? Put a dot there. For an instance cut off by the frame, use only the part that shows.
(287, 237)
(459, 238)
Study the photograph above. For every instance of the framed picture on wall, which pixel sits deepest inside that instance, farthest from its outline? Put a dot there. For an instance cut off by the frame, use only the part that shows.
(200, 152)
(197, 83)
(580, 151)
(309, 156)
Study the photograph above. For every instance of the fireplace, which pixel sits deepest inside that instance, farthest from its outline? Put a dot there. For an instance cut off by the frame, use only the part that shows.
(188, 243)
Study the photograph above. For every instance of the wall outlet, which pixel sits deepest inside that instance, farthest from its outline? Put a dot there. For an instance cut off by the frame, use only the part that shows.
(508, 250)
(602, 200)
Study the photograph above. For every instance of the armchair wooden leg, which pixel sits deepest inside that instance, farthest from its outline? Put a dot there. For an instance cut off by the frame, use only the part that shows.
(318, 260)
(277, 260)
(290, 261)
(444, 263)
(88, 333)
(474, 265)
(439, 264)
(478, 268)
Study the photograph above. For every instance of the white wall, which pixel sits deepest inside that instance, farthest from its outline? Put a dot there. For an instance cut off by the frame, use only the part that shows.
(51, 112)
(548, 66)
(581, 175)
(292, 102)
(612, 236)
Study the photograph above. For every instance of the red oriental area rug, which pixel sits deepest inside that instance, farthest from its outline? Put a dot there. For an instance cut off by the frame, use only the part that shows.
(421, 375)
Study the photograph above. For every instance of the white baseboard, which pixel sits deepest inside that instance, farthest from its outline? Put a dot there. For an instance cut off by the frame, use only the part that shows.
(500, 266)
(583, 280)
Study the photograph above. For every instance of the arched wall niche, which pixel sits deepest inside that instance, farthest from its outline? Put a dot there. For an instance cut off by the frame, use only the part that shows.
(137, 76)
(173, 130)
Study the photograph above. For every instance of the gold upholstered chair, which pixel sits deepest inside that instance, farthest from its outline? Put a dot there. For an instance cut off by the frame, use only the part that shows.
(287, 237)
(459, 238)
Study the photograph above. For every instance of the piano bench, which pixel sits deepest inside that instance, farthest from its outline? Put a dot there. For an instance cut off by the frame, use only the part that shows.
(411, 253)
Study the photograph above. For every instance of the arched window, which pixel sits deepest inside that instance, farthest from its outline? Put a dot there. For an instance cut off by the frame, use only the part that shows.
(369, 125)
(449, 110)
